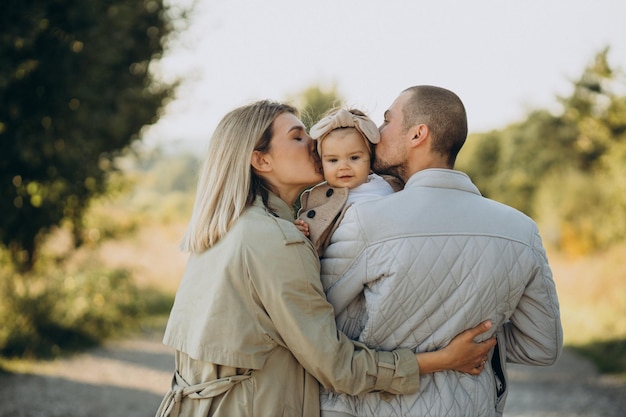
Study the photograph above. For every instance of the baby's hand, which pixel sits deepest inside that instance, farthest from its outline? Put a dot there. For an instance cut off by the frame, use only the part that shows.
(302, 226)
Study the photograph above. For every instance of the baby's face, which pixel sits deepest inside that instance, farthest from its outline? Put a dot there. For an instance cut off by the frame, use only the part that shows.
(345, 158)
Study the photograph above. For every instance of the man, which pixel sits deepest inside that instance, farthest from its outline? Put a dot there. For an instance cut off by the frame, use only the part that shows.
(416, 268)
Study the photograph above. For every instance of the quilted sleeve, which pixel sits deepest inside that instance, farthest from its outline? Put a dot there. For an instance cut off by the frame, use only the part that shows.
(343, 266)
(534, 335)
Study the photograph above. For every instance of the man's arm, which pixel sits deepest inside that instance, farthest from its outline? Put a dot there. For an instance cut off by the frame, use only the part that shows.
(343, 266)
(534, 335)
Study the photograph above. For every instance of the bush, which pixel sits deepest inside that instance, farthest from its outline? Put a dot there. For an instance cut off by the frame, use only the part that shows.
(609, 356)
(44, 316)
(76, 298)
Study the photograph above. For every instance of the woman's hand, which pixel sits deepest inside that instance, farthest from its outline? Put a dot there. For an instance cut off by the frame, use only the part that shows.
(462, 354)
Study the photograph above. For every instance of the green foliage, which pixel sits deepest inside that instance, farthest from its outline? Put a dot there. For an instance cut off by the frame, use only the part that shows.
(509, 164)
(608, 356)
(314, 102)
(567, 170)
(75, 89)
(56, 312)
(72, 299)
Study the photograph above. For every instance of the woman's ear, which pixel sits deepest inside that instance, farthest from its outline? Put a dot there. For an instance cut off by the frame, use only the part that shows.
(260, 162)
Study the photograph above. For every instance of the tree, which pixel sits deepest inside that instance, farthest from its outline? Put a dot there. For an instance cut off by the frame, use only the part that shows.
(568, 167)
(75, 90)
(597, 110)
(314, 102)
(508, 164)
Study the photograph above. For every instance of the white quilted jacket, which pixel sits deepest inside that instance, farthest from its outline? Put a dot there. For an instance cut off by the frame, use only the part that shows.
(418, 267)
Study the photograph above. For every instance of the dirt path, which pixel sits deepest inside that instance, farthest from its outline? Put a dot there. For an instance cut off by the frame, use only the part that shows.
(571, 387)
(128, 378)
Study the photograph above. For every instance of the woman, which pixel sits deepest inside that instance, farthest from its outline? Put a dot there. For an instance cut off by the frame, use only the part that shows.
(252, 330)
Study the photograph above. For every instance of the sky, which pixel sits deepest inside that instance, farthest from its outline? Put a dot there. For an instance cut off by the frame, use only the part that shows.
(503, 58)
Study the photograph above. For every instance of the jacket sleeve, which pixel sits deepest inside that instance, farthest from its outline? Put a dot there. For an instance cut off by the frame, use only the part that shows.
(290, 291)
(534, 335)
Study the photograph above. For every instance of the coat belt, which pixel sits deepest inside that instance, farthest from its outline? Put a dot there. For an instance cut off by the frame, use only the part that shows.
(170, 406)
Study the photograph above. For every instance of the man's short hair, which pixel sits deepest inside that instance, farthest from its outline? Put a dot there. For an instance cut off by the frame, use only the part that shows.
(444, 114)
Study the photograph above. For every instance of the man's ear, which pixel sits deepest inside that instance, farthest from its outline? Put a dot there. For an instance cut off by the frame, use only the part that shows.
(260, 161)
(419, 133)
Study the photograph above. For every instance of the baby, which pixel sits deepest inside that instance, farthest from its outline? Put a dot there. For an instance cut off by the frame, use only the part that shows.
(344, 143)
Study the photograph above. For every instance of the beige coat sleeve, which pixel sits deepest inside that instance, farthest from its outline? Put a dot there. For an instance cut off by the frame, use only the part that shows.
(304, 322)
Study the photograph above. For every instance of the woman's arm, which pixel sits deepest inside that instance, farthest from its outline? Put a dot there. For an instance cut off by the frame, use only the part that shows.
(299, 318)
(462, 354)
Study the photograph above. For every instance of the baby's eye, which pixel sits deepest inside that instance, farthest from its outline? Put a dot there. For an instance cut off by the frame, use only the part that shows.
(355, 157)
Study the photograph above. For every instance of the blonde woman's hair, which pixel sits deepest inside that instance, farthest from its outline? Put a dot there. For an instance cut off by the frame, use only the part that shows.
(227, 184)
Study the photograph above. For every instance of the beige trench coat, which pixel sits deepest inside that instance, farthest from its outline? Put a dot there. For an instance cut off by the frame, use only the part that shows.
(254, 334)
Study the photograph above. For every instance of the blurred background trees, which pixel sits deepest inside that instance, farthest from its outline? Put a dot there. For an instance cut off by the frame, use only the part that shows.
(567, 170)
(75, 90)
(315, 101)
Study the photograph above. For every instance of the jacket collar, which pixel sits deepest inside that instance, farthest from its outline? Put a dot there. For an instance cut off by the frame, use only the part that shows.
(275, 206)
(442, 178)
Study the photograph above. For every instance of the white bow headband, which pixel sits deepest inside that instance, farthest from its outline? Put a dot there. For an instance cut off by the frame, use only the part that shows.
(343, 118)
